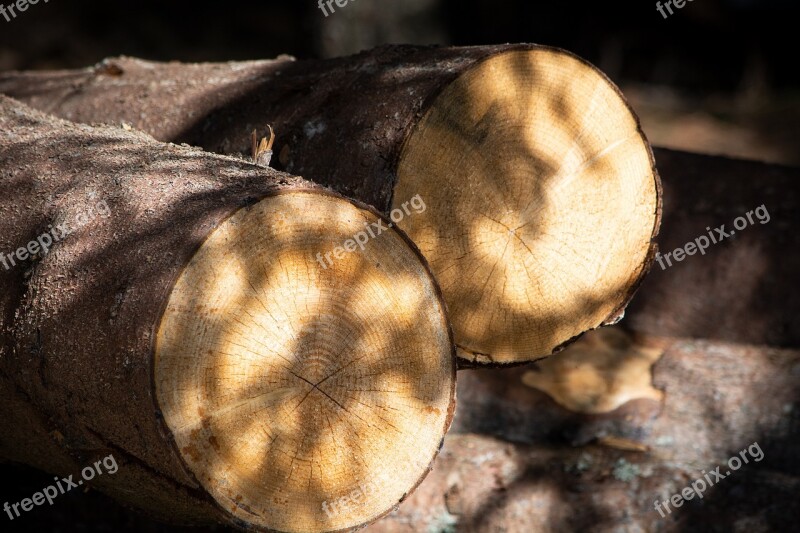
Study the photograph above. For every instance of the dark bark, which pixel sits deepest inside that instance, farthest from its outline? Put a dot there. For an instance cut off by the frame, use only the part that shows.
(516, 461)
(341, 122)
(740, 290)
(743, 288)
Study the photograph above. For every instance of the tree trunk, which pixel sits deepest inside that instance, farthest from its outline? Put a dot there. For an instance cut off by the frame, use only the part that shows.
(519, 170)
(743, 287)
(167, 306)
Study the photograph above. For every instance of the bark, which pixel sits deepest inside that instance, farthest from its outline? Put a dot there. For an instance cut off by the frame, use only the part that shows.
(78, 322)
(742, 289)
(366, 103)
(517, 461)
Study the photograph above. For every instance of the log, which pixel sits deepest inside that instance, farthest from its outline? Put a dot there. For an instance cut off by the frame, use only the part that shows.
(741, 289)
(516, 460)
(534, 189)
(166, 306)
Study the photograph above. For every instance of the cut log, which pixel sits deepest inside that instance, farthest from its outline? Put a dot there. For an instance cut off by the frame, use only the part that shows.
(741, 289)
(519, 170)
(166, 306)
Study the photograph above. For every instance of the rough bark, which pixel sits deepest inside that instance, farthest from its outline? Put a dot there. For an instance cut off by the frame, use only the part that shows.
(737, 291)
(365, 104)
(79, 321)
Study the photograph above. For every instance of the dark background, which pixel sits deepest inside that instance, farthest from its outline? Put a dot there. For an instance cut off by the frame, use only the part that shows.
(708, 45)
(717, 76)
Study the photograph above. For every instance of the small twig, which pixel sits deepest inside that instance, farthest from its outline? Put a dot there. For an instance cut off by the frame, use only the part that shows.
(262, 152)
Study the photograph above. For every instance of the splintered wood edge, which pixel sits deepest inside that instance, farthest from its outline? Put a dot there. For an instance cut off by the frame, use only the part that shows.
(542, 202)
(305, 396)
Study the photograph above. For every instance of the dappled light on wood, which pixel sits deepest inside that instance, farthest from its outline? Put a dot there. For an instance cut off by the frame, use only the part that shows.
(287, 384)
(543, 201)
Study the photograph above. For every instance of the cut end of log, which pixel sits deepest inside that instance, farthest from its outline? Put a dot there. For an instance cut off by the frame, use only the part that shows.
(304, 395)
(542, 202)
